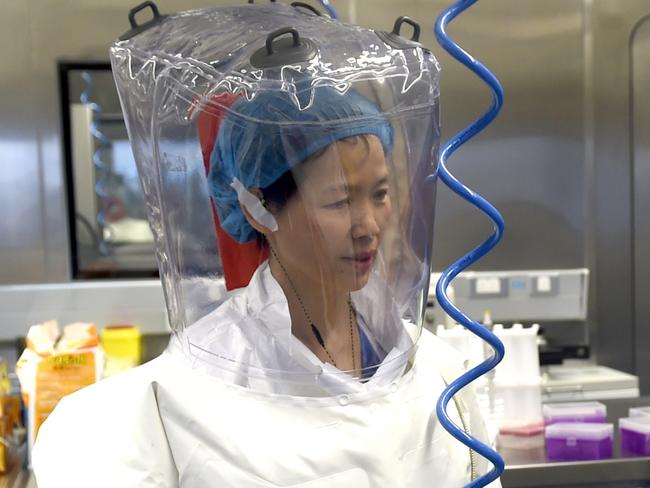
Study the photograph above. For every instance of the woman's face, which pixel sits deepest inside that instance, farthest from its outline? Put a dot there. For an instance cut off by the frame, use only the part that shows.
(330, 230)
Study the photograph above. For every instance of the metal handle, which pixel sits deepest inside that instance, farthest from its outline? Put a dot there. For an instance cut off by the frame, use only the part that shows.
(280, 32)
(139, 8)
(404, 19)
(306, 6)
(280, 52)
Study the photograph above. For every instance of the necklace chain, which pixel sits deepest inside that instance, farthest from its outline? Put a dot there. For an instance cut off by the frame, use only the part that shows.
(314, 328)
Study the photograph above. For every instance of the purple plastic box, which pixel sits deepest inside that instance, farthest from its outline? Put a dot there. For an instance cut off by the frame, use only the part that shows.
(635, 436)
(579, 441)
(592, 412)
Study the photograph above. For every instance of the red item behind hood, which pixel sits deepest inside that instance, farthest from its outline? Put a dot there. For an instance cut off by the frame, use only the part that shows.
(239, 260)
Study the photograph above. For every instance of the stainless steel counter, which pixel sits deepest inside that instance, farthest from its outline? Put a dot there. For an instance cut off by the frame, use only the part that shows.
(612, 473)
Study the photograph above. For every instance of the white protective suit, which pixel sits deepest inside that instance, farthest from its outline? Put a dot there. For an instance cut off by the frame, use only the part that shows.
(179, 423)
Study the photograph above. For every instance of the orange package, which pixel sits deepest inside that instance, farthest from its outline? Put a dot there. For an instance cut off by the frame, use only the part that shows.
(52, 367)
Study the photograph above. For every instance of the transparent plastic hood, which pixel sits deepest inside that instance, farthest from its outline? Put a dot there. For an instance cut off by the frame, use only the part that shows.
(288, 165)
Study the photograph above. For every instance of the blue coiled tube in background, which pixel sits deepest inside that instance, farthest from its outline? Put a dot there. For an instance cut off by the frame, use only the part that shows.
(329, 7)
(450, 273)
(104, 171)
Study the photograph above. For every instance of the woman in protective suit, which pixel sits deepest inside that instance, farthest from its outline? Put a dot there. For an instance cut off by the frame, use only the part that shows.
(318, 201)
(316, 373)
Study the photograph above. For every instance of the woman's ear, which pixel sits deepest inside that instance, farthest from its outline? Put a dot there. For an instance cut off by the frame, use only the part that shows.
(254, 223)
(255, 212)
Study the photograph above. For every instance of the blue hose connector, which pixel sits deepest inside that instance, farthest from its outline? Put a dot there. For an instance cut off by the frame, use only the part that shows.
(463, 263)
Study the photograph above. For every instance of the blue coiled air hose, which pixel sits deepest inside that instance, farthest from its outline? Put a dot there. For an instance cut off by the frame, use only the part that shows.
(103, 170)
(450, 273)
(329, 7)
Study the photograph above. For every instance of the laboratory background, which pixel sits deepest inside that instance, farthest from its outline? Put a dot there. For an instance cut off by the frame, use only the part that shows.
(567, 162)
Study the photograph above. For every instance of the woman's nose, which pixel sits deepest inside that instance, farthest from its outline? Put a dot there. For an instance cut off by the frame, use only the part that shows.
(364, 222)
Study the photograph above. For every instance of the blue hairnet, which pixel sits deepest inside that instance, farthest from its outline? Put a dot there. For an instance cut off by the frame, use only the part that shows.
(261, 139)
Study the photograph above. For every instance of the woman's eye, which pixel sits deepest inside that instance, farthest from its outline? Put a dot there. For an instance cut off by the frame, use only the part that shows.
(339, 204)
(381, 195)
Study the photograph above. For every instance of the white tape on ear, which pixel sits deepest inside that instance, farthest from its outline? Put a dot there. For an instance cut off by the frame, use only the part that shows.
(254, 206)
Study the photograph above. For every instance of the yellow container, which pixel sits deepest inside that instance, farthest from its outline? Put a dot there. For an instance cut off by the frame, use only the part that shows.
(122, 347)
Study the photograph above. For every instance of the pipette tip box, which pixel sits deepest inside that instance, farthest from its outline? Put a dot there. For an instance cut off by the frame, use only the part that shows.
(590, 412)
(579, 441)
(640, 412)
(635, 436)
